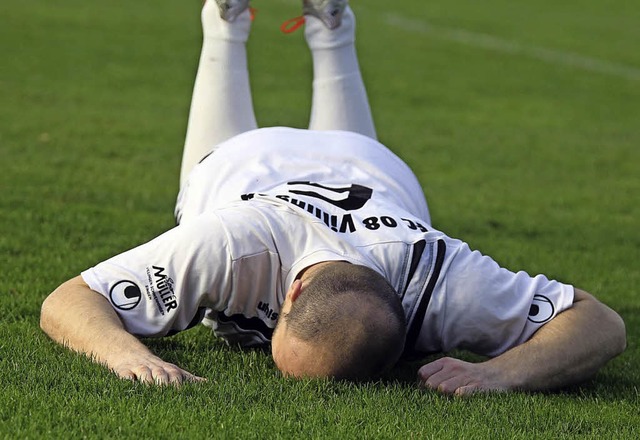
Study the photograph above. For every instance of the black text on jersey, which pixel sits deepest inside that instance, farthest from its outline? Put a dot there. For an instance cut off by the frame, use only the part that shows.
(264, 308)
(164, 288)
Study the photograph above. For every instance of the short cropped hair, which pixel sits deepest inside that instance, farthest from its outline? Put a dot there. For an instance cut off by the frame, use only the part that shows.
(354, 313)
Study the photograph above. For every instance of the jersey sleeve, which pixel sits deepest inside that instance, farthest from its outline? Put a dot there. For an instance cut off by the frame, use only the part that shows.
(163, 286)
(481, 307)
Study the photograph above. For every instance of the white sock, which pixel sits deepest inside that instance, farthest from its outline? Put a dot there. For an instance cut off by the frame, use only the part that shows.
(221, 106)
(339, 96)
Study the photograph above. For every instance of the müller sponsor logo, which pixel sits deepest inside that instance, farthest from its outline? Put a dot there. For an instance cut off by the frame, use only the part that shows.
(162, 290)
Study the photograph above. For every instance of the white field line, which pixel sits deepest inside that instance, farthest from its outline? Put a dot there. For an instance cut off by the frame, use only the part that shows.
(496, 44)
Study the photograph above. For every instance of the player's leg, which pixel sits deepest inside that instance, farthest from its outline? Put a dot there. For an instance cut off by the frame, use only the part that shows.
(339, 96)
(221, 106)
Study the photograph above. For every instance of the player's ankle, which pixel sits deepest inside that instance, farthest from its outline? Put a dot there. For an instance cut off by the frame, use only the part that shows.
(215, 27)
(319, 36)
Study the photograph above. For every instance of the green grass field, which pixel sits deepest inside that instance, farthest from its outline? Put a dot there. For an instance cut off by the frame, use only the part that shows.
(521, 120)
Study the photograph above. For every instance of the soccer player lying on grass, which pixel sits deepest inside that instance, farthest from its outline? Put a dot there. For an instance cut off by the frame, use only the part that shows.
(319, 242)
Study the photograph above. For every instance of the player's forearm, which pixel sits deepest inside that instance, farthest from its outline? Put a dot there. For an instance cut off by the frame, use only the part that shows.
(81, 319)
(567, 350)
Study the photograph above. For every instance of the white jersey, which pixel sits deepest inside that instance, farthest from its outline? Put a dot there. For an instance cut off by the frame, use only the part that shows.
(271, 202)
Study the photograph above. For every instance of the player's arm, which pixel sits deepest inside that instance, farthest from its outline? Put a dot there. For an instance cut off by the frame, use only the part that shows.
(83, 320)
(567, 350)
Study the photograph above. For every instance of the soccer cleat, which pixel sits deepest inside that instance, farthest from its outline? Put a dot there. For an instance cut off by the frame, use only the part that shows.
(329, 11)
(230, 9)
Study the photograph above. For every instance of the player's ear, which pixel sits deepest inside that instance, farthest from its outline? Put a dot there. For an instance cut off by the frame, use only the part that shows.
(295, 290)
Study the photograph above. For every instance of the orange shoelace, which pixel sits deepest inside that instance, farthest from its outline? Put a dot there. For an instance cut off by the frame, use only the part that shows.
(292, 24)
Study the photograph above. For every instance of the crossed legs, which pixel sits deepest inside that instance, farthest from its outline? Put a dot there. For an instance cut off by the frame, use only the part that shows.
(222, 107)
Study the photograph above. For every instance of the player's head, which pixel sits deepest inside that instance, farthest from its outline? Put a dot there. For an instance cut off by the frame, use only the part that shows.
(343, 321)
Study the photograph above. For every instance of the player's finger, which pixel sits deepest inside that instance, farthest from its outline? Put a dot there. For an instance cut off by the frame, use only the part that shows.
(178, 376)
(175, 376)
(432, 375)
(126, 374)
(468, 390)
(437, 379)
(453, 384)
(144, 375)
(427, 370)
(160, 376)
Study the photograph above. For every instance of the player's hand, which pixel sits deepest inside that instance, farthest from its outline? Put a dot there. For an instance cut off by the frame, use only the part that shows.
(453, 376)
(150, 369)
